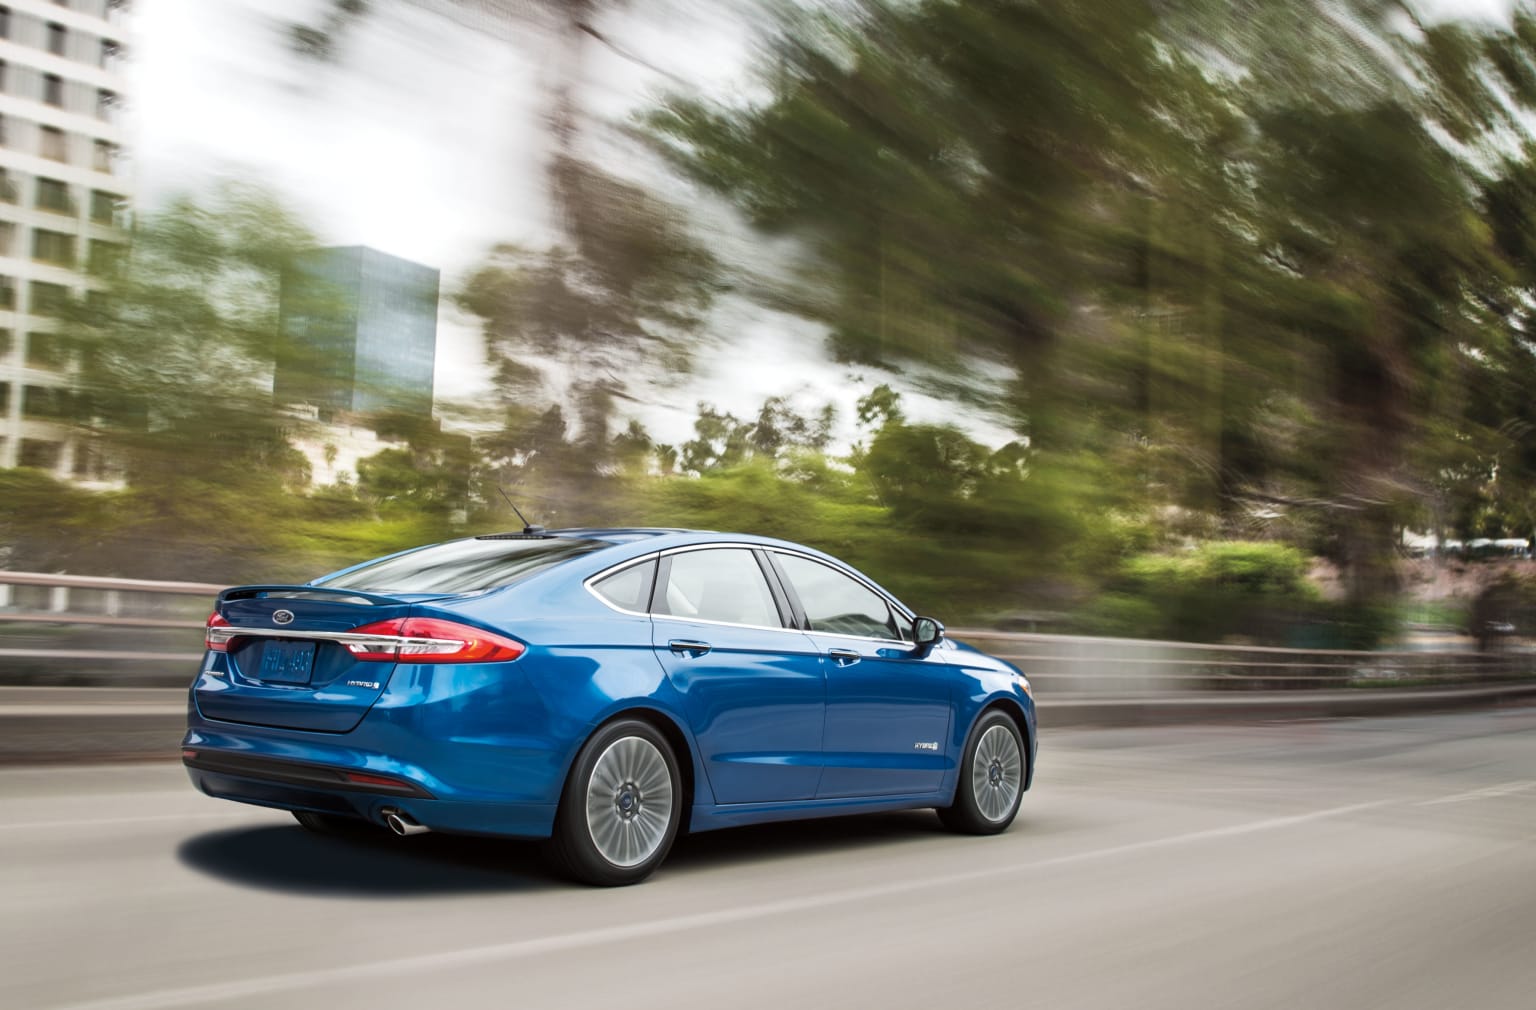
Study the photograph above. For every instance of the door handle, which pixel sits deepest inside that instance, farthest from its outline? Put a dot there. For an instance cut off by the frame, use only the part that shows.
(695, 649)
(844, 657)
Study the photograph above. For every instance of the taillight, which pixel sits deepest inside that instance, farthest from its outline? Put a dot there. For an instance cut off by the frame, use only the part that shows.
(216, 639)
(431, 640)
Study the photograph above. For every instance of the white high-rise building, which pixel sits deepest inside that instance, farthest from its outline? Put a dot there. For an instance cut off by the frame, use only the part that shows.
(63, 194)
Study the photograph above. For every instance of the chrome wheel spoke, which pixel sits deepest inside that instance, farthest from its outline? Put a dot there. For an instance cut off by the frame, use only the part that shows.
(629, 801)
(996, 773)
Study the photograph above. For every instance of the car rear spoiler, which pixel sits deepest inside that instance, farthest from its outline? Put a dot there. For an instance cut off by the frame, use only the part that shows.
(281, 592)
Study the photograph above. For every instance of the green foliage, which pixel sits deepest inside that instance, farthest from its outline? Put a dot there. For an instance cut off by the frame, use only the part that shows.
(1260, 243)
(1211, 593)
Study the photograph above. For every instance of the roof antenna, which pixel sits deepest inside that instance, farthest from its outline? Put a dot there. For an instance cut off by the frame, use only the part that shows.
(528, 528)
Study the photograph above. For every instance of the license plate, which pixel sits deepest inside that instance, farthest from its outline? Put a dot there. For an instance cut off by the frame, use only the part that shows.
(287, 662)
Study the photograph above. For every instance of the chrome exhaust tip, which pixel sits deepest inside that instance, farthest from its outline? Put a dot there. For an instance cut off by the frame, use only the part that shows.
(401, 824)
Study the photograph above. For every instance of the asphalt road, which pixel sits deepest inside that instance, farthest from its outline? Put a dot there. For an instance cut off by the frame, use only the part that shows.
(1352, 863)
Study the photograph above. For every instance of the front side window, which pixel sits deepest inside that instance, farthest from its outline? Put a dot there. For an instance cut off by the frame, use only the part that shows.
(838, 604)
(723, 584)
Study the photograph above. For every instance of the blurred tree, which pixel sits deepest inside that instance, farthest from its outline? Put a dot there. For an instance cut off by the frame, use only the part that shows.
(176, 351)
(723, 440)
(1236, 248)
(432, 475)
(619, 288)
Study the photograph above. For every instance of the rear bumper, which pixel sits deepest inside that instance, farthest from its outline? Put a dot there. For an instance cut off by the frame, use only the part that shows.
(443, 765)
(521, 820)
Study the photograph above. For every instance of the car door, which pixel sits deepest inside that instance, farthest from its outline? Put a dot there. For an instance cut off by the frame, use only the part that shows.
(753, 687)
(888, 706)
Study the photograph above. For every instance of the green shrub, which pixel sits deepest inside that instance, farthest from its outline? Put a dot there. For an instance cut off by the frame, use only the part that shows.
(1214, 592)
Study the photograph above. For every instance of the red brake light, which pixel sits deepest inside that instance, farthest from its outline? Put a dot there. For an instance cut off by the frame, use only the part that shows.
(432, 640)
(214, 640)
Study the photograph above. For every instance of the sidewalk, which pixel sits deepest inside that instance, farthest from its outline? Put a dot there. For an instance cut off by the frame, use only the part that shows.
(41, 725)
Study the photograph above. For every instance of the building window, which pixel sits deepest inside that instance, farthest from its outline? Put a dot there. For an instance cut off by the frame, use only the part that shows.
(7, 293)
(5, 22)
(47, 402)
(3, 68)
(53, 247)
(106, 157)
(7, 187)
(106, 105)
(5, 346)
(53, 90)
(46, 351)
(49, 299)
(7, 237)
(111, 49)
(5, 401)
(52, 146)
(104, 207)
(38, 454)
(56, 36)
(54, 195)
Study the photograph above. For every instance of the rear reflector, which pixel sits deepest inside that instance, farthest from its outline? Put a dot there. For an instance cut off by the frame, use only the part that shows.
(431, 640)
(358, 778)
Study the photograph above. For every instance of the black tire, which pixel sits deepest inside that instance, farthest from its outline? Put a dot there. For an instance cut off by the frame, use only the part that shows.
(621, 807)
(988, 804)
(336, 825)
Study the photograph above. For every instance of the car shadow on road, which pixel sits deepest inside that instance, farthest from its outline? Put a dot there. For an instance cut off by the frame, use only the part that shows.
(290, 859)
(789, 840)
(282, 858)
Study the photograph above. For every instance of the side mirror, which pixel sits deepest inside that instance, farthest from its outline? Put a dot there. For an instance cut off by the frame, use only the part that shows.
(926, 633)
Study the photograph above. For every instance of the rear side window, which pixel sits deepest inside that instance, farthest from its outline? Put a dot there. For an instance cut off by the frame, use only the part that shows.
(463, 566)
(629, 589)
(722, 584)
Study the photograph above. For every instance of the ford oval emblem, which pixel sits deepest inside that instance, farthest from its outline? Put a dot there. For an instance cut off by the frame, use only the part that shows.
(282, 617)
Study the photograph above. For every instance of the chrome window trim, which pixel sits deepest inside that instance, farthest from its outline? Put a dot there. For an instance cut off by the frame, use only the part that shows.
(724, 624)
(895, 604)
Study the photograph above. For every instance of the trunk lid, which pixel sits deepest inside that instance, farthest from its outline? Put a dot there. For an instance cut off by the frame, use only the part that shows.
(288, 665)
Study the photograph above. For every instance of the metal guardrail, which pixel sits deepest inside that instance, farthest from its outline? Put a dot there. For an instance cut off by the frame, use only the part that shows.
(38, 609)
(1088, 665)
(162, 615)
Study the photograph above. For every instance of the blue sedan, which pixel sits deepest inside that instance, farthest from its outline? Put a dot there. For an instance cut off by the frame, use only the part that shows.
(605, 689)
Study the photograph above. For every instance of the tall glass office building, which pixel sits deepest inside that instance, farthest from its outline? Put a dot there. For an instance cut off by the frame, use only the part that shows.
(363, 331)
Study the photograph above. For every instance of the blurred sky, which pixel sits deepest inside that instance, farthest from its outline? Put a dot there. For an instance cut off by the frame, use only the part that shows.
(424, 142)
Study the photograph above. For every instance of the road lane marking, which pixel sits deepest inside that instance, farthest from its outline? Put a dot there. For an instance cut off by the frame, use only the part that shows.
(1487, 792)
(267, 985)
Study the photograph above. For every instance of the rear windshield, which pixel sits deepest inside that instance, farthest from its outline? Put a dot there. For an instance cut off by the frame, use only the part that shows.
(462, 566)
